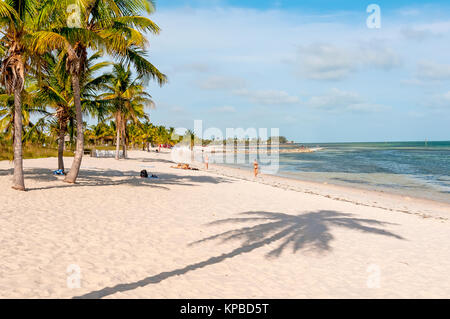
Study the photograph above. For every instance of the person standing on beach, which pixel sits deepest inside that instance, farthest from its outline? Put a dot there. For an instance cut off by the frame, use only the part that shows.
(255, 167)
(206, 162)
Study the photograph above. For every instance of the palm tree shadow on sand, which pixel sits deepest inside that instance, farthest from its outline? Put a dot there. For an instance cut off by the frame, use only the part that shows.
(308, 230)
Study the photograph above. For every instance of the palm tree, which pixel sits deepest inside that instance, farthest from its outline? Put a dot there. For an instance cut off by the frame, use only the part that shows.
(171, 133)
(16, 24)
(127, 101)
(55, 91)
(100, 133)
(115, 25)
(190, 135)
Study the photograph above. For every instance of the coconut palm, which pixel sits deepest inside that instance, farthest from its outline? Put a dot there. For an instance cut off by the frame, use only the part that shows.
(114, 25)
(16, 24)
(101, 133)
(190, 136)
(127, 100)
(55, 90)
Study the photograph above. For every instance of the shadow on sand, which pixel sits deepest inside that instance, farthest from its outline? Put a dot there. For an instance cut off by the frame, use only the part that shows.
(6, 172)
(110, 177)
(308, 230)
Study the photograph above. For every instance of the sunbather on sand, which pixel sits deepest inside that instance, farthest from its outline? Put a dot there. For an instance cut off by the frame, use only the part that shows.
(184, 166)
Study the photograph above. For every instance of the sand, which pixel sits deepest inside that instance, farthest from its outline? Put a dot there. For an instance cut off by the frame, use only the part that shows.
(216, 234)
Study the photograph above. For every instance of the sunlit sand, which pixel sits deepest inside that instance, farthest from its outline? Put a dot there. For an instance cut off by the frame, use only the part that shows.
(215, 234)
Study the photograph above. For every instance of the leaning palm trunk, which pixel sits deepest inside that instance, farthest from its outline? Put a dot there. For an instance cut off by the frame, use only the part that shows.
(18, 181)
(75, 169)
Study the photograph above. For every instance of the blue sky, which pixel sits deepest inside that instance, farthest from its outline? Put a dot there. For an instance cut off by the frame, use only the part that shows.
(311, 68)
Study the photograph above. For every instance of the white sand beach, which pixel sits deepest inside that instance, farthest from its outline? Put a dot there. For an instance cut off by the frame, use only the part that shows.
(215, 234)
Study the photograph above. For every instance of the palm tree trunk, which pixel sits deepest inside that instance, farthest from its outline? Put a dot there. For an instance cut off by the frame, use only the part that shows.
(124, 139)
(117, 138)
(18, 179)
(61, 143)
(71, 131)
(75, 169)
(118, 145)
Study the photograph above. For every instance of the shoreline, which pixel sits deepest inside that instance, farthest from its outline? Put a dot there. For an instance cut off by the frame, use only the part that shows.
(372, 198)
(212, 234)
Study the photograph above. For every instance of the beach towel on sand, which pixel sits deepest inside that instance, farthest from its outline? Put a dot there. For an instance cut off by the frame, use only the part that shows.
(59, 172)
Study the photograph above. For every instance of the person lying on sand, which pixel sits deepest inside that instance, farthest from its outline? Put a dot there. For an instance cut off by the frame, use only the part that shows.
(184, 166)
(144, 174)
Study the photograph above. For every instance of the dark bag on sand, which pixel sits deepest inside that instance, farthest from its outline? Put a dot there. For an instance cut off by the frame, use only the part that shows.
(144, 174)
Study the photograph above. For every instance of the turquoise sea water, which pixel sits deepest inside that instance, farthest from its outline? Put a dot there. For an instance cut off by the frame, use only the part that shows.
(419, 169)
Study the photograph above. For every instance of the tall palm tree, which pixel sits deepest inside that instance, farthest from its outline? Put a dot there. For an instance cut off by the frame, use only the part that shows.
(190, 135)
(100, 133)
(16, 24)
(55, 91)
(127, 100)
(146, 134)
(115, 25)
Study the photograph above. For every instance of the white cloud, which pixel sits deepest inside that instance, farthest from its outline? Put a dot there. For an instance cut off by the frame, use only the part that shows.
(223, 109)
(325, 62)
(222, 83)
(446, 96)
(379, 57)
(321, 61)
(409, 12)
(193, 67)
(338, 100)
(440, 101)
(414, 33)
(267, 97)
(171, 107)
(416, 82)
(433, 71)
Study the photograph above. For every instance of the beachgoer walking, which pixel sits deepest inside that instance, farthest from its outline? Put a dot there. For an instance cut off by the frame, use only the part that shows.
(206, 162)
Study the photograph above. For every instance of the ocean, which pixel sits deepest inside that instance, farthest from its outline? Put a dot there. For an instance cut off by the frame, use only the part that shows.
(419, 169)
